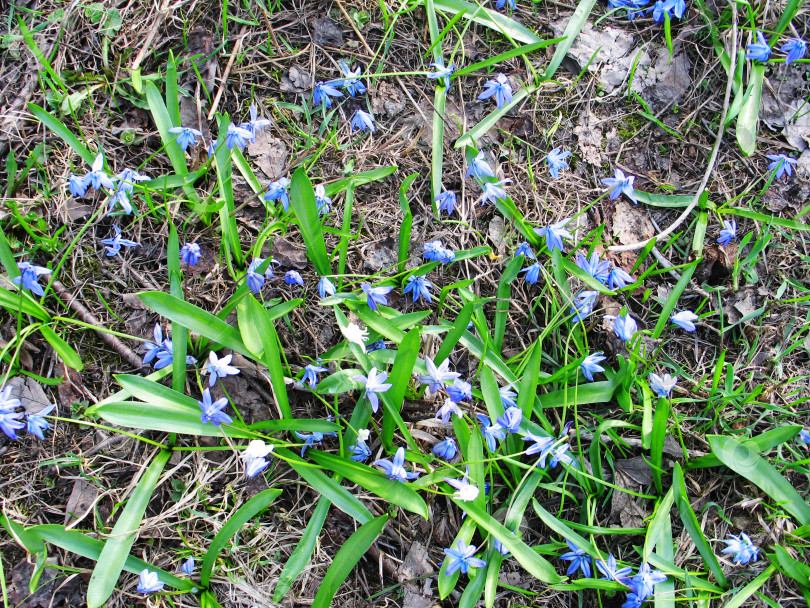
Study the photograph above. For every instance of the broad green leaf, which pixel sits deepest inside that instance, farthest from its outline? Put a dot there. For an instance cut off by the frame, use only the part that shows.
(65, 134)
(672, 300)
(302, 198)
(196, 319)
(516, 52)
(750, 589)
(531, 561)
(748, 119)
(489, 18)
(235, 522)
(454, 335)
(558, 526)
(227, 213)
(761, 444)
(504, 297)
(346, 559)
(400, 377)
(62, 348)
(302, 553)
(309, 425)
(91, 548)
(396, 493)
(114, 555)
(746, 462)
(179, 333)
(176, 419)
(24, 304)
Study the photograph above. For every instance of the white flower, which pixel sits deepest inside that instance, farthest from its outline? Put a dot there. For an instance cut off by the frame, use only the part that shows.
(353, 333)
(256, 449)
(465, 491)
(363, 434)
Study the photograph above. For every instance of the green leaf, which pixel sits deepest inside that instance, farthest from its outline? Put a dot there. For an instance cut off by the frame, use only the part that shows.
(659, 434)
(746, 462)
(504, 297)
(535, 565)
(516, 52)
(750, 589)
(454, 335)
(346, 559)
(227, 213)
(65, 134)
(235, 522)
(24, 304)
(302, 197)
(761, 444)
(396, 493)
(400, 377)
(302, 553)
(489, 18)
(116, 550)
(62, 348)
(85, 546)
(672, 300)
(692, 525)
(310, 425)
(748, 120)
(196, 319)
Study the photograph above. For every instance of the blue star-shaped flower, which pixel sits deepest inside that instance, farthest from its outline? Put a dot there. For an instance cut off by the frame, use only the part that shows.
(395, 470)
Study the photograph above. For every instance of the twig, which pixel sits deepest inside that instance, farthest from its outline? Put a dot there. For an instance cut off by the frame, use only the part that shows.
(712, 159)
(146, 46)
(88, 317)
(224, 80)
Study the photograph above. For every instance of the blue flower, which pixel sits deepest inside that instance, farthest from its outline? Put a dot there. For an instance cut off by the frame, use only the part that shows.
(579, 559)
(378, 345)
(479, 167)
(325, 287)
(728, 233)
(186, 136)
(255, 279)
(113, 245)
(796, 48)
(120, 197)
(583, 305)
(394, 469)
(685, 320)
(293, 277)
(556, 161)
(759, 50)
(219, 368)
(279, 190)
(493, 192)
(323, 93)
(459, 390)
(625, 326)
(446, 449)
(500, 89)
(541, 443)
(96, 177)
(212, 148)
(442, 74)
(667, 8)
(254, 124)
(323, 202)
(612, 572)
(237, 137)
(10, 421)
(311, 374)
(743, 549)
(29, 277)
(507, 396)
(662, 386)
(375, 295)
(642, 584)
(256, 466)
(363, 121)
(437, 376)
(533, 273)
(437, 252)
(37, 423)
(491, 432)
(148, 582)
(77, 185)
(462, 559)
(359, 450)
(446, 201)
(782, 163)
(188, 566)
(6, 402)
(619, 278)
(633, 601)
(621, 184)
(419, 287)
(190, 253)
(599, 270)
(525, 250)
(511, 419)
(350, 82)
(447, 410)
(127, 180)
(590, 365)
(312, 439)
(374, 383)
(804, 435)
(212, 412)
(554, 234)
(501, 3)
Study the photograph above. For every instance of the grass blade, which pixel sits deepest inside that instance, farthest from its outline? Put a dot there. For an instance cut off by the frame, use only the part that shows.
(62, 348)
(572, 30)
(302, 197)
(491, 19)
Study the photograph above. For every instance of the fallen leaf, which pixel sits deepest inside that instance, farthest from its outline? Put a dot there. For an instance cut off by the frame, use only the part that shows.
(81, 500)
(325, 32)
(269, 153)
(289, 255)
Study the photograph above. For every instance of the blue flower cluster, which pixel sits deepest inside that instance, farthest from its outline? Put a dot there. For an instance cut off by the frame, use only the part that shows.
(11, 420)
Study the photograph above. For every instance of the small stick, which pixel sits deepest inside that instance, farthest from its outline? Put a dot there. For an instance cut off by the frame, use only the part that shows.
(88, 317)
(223, 81)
